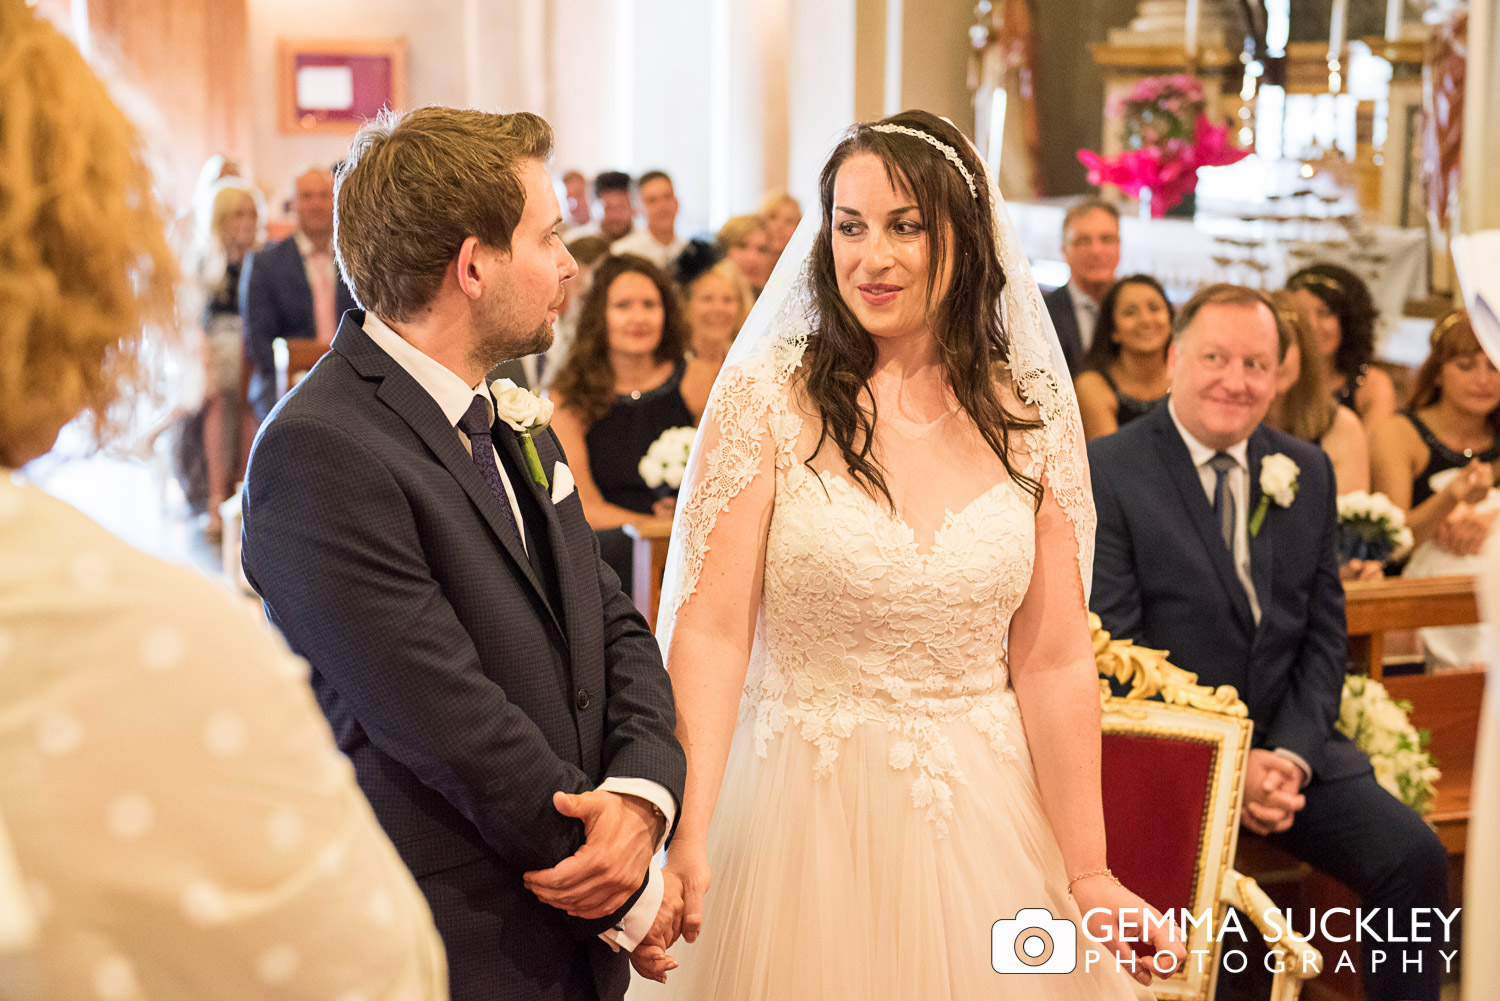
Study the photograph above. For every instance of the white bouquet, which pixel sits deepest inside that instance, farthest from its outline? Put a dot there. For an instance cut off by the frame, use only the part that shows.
(1379, 726)
(666, 460)
(1371, 528)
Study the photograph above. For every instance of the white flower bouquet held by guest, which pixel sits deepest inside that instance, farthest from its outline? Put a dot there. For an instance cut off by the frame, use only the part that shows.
(666, 460)
(883, 546)
(1371, 528)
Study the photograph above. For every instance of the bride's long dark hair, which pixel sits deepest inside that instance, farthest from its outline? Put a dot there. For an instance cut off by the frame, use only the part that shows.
(966, 322)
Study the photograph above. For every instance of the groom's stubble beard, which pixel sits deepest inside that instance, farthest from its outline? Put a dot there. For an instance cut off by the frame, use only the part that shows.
(495, 341)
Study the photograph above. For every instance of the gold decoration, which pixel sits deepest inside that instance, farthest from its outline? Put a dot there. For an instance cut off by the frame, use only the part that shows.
(1149, 673)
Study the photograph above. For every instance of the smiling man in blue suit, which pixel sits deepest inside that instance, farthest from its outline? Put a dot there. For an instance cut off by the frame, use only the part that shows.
(1217, 542)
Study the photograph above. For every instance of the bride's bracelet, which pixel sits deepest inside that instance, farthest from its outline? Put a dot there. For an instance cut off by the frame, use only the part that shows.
(1093, 872)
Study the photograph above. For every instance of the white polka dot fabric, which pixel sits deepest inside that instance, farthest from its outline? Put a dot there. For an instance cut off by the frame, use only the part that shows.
(180, 821)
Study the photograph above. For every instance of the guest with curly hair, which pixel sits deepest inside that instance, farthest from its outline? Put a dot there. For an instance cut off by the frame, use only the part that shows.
(169, 793)
(1342, 313)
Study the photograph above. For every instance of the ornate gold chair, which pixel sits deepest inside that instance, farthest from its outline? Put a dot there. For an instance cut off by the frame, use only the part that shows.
(1173, 774)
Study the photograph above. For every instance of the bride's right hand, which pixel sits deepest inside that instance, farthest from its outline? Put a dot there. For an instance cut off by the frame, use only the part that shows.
(689, 863)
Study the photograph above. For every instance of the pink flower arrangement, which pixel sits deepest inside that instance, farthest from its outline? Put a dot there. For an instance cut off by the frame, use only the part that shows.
(1167, 136)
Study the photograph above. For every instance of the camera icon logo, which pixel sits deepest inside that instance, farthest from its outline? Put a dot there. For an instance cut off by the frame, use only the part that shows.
(1034, 941)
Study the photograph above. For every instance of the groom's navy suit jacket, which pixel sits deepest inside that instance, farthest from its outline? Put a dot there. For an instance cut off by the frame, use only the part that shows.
(1164, 578)
(465, 683)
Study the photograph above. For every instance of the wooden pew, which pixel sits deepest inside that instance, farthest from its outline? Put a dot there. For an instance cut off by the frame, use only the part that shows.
(649, 559)
(1446, 705)
(1375, 607)
(294, 357)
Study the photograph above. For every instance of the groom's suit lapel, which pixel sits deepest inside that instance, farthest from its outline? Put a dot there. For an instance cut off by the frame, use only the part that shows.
(399, 391)
(1178, 462)
(1261, 550)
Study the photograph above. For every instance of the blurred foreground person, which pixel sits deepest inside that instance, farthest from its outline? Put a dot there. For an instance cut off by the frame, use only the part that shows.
(176, 811)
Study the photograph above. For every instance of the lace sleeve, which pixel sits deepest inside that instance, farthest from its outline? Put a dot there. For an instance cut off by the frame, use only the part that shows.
(746, 431)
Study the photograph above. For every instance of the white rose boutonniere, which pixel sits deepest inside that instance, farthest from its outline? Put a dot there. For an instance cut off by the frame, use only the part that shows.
(1278, 482)
(526, 414)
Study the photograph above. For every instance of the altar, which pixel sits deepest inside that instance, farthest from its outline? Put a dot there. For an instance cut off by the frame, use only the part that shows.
(1186, 254)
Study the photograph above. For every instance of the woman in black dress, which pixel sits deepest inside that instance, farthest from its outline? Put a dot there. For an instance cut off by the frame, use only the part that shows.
(1453, 423)
(626, 380)
(1126, 367)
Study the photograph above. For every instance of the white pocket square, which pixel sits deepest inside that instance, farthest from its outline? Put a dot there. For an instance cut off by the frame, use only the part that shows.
(562, 483)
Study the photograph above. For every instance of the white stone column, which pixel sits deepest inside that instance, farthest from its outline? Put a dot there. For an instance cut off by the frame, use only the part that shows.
(1479, 197)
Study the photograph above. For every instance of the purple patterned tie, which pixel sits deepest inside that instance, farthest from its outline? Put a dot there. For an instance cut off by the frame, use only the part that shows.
(475, 423)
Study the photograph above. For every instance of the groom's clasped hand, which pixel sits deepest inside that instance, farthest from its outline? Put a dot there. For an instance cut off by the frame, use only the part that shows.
(620, 835)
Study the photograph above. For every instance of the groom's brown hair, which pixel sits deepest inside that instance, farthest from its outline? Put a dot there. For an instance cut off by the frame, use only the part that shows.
(415, 185)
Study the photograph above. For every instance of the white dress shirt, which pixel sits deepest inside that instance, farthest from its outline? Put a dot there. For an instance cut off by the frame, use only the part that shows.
(453, 396)
(1238, 485)
(1086, 313)
(641, 243)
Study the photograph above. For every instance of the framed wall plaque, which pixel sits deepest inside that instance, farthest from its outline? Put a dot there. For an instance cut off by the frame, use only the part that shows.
(333, 85)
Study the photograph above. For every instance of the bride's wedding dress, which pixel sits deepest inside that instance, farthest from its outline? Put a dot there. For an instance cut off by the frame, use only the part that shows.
(879, 810)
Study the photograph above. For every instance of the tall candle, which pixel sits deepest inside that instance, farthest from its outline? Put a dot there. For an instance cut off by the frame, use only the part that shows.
(1392, 20)
(1192, 29)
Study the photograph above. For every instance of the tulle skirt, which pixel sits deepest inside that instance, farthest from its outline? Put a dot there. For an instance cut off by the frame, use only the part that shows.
(838, 888)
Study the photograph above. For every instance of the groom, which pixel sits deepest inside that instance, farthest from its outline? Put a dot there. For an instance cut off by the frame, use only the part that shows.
(1202, 550)
(504, 706)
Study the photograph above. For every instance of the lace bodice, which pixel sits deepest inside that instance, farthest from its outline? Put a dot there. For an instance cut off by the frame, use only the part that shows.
(862, 624)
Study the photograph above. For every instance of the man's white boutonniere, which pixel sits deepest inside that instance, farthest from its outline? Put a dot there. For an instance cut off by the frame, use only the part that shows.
(1278, 482)
(526, 413)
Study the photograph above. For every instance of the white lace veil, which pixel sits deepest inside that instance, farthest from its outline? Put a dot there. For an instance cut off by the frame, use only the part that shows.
(771, 343)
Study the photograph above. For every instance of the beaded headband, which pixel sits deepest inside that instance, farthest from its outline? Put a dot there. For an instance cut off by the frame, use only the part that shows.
(1447, 323)
(948, 151)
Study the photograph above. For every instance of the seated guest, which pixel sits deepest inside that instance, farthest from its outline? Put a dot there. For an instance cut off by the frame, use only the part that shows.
(1342, 314)
(1304, 408)
(1204, 549)
(293, 288)
(1091, 249)
(626, 381)
(718, 301)
(658, 241)
(744, 241)
(578, 212)
(616, 212)
(782, 213)
(1453, 423)
(1126, 372)
(171, 800)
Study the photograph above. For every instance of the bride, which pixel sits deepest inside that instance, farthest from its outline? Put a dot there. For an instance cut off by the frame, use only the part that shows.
(875, 618)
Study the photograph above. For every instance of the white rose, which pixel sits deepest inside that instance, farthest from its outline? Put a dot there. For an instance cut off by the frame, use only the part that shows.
(672, 473)
(520, 408)
(651, 471)
(1278, 478)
